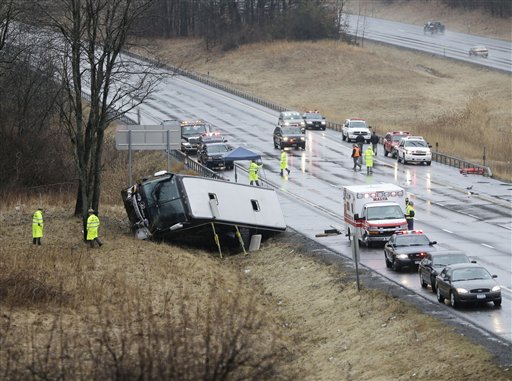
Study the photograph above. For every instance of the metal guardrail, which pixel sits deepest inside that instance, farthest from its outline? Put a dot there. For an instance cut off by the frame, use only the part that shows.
(195, 166)
(436, 156)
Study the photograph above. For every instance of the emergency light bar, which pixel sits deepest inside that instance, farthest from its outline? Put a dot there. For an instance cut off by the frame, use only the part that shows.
(379, 194)
(403, 232)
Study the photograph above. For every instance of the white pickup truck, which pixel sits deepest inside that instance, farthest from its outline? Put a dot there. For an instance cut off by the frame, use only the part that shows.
(353, 127)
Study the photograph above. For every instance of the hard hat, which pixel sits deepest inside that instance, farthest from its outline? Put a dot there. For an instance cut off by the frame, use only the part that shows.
(411, 203)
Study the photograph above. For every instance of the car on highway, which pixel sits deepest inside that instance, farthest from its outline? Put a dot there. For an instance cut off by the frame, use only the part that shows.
(314, 120)
(433, 27)
(291, 118)
(391, 140)
(407, 248)
(288, 136)
(465, 283)
(354, 127)
(480, 51)
(413, 149)
(434, 262)
(212, 156)
(208, 138)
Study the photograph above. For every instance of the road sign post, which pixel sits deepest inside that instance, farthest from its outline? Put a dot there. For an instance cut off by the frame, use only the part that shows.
(144, 138)
(354, 243)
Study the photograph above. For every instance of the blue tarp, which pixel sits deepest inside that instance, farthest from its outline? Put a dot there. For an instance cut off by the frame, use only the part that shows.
(241, 153)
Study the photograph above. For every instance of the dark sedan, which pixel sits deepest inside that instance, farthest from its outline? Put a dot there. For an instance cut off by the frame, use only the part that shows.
(407, 249)
(212, 155)
(314, 120)
(288, 136)
(435, 262)
(467, 282)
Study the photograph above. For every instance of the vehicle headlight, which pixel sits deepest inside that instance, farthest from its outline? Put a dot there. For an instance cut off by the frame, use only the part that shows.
(286, 123)
(373, 228)
(402, 256)
(302, 123)
(309, 122)
(186, 144)
(285, 139)
(496, 288)
(209, 158)
(302, 138)
(461, 290)
(323, 121)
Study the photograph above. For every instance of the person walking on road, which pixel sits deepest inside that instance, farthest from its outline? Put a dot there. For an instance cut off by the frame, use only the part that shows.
(360, 142)
(356, 156)
(253, 173)
(374, 140)
(93, 224)
(37, 226)
(283, 165)
(368, 158)
(409, 215)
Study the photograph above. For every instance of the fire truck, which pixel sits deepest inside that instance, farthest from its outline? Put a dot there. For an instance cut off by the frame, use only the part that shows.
(373, 213)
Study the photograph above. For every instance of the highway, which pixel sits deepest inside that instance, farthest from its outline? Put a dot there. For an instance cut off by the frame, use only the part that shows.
(450, 44)
(311, 197)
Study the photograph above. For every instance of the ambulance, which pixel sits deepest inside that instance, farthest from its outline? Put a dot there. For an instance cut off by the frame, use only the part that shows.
(373, 213)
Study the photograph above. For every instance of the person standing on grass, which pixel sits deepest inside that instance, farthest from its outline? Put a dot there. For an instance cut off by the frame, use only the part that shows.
(37, 226)
(374, 140)
(93, 224)
(368, 158)
(356, 156)
(283, 165)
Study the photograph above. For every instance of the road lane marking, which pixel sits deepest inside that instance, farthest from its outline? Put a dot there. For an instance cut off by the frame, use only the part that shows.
(448, 231)
(489, 246)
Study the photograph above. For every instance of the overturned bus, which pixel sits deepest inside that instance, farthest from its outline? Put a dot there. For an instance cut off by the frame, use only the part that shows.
(192, 209)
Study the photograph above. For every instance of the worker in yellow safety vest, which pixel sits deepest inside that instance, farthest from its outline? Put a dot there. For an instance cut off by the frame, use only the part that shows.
(368, 158)
(283, 165)
(409, 215)
(37, 226)
(254, 176)
(93, 224)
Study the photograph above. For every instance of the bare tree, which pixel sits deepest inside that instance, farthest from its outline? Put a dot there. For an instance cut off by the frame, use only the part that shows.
(7, 14)
(100, 83)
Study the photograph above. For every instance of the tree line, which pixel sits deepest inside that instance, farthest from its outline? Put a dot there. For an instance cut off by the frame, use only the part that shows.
(230, 23)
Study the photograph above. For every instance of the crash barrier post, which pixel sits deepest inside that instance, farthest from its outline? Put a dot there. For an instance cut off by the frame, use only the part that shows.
(438, 157)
